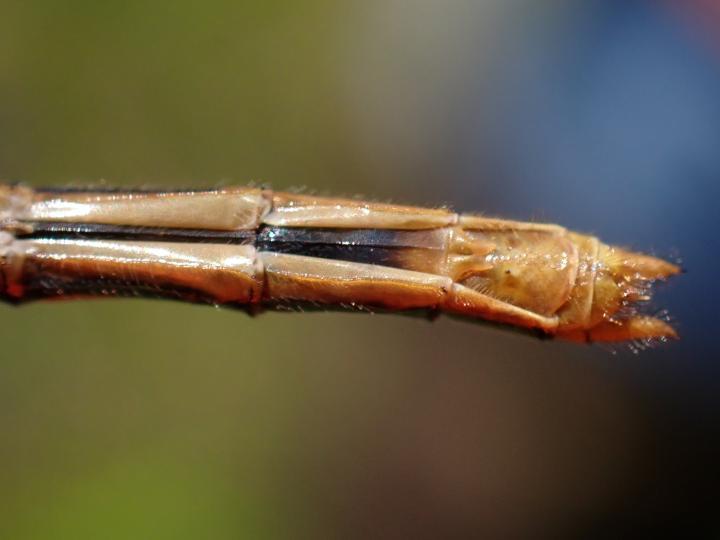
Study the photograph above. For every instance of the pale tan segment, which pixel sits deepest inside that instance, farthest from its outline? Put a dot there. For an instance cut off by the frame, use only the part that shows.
(224, 209)
(470, 303)
(576, 312)
(219, 272)
(481, 223)
(290, 210)
(325, 281)
(466, 255)
(450, 252)
(534, 270)
(469, 243)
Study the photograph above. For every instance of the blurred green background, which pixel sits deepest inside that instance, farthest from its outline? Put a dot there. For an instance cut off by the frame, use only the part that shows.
(150, 419)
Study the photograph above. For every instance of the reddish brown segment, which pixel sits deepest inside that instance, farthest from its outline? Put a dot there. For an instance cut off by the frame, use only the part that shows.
(199, 272)
(237, 246)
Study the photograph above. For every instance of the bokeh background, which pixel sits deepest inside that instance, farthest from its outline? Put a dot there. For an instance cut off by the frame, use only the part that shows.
(150, 419)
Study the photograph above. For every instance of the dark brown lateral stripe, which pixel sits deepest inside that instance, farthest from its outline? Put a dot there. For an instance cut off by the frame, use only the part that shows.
(389, 238)
(58, 229)
(386, 247)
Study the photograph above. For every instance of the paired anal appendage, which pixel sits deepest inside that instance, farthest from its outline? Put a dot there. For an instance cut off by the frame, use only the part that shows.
(623, 283)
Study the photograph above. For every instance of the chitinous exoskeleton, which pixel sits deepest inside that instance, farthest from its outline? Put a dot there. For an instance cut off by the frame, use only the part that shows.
(257, 249)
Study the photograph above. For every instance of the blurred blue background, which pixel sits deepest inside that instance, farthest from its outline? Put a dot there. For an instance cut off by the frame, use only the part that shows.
(144, 419)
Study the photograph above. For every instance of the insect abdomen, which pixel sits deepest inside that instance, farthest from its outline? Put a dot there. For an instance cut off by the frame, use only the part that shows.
(253, 247)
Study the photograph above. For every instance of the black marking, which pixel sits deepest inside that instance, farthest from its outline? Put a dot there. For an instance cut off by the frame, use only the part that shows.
(88, 231)
(390, 238)
(359, 254)
(370, 246)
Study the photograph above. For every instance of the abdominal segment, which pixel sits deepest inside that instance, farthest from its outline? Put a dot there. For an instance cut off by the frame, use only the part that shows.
(257, 249)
